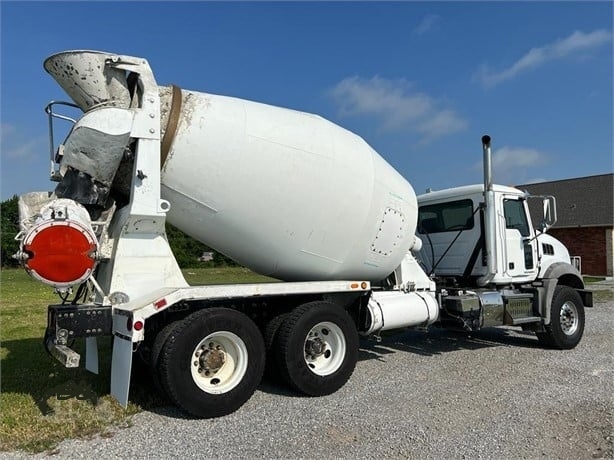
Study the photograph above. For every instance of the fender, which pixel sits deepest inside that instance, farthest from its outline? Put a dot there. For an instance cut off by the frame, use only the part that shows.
(564, 274)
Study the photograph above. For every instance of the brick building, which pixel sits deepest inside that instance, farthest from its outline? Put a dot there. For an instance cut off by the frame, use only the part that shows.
(585, 220)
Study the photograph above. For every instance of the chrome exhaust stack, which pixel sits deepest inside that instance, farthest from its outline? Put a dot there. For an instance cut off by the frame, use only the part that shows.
(490, 217)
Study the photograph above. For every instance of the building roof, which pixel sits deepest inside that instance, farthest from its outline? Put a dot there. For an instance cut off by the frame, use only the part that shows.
(580, 202)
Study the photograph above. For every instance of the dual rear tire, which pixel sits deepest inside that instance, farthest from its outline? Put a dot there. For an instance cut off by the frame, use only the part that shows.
(210, 363)
(315, 349)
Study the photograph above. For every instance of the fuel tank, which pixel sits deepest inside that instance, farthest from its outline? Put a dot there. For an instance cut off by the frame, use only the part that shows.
(286, 193)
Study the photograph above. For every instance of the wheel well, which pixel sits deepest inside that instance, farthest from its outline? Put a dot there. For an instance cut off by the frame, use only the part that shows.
(260, 309)
(571, 281)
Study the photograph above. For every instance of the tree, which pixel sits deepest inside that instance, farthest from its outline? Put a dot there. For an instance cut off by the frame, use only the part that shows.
(187, 250)
(9, 215)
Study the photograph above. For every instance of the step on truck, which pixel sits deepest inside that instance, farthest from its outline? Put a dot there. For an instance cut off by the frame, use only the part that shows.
(287, 194)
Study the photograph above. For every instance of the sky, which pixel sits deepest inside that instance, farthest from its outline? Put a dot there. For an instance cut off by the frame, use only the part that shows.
(421, 82)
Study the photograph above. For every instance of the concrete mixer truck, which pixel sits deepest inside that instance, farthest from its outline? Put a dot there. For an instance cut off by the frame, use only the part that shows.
(289, 195)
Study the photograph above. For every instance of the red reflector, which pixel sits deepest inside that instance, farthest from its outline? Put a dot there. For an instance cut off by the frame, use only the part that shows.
(60, 253)
(160, 304)
(138, 325)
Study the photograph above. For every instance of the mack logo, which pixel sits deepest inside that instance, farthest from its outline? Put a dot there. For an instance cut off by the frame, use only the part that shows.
(64, 391)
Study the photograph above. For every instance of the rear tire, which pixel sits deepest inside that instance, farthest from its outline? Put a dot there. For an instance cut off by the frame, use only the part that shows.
(156, 351)
(212, 362)
(317, 348)
(271, 343)
(566, 320)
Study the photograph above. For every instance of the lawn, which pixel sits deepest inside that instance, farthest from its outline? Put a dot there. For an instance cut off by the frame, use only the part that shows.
(28, 373)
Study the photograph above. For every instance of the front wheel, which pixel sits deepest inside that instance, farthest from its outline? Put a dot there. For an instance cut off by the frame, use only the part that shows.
(317, 348)
(212, 362)
(566, 320)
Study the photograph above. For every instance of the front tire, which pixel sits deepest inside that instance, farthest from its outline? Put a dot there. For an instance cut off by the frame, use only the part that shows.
(317, 348)
(566, 320)
(212, 362)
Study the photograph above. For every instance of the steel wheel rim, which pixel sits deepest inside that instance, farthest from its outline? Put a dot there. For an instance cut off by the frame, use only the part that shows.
(325, 348)
(569, 318)
(219, 362)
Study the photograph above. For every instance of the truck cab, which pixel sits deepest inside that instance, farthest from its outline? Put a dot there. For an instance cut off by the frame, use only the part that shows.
(452, 225)
(492, 267)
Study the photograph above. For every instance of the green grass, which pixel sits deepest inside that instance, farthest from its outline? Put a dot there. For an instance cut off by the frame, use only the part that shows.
(28, 372)
(592, 279)
(601, 294)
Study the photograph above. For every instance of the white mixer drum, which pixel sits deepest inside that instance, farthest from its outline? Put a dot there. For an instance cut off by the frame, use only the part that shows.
(285, 193)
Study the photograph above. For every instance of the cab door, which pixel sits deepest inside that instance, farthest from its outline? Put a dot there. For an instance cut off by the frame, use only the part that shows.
(520, 243)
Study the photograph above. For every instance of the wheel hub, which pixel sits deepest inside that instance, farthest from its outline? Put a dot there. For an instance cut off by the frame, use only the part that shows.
(315, 347)
(569, 318)
(211, 358)
(324, 348)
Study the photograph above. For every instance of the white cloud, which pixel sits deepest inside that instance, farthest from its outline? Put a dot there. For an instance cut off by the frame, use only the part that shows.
(17, 146)
(514, 165)
(574, 44)
(442, 122)
(428, 23)
(6, 131)
(396, 106)
(27, 150)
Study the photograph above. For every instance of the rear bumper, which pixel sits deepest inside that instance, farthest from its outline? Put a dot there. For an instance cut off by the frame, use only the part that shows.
(68, 322)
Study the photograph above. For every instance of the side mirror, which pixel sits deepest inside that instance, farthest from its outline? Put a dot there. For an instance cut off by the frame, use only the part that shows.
(548, 212)
(549, 216)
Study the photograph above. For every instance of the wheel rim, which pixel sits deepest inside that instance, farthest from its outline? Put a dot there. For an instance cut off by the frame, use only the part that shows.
(569, 318)
(219, 362)
(325, 348)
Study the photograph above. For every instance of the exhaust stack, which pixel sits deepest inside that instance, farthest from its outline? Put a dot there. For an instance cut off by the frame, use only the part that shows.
(490, 217)
(487, 163)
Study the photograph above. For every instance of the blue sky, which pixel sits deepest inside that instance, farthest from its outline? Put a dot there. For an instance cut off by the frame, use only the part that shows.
(420, 81)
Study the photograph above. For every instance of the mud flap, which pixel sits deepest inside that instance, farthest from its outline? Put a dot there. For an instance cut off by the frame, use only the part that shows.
(120, 369)
(91, 355)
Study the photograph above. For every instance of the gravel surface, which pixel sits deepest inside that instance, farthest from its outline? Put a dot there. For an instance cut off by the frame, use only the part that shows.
(415, 395)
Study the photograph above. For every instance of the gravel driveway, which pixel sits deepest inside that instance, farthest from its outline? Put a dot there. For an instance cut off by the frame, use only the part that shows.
(415, 395)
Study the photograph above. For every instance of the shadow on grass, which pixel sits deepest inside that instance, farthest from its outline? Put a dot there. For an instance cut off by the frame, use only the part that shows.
(28, 369)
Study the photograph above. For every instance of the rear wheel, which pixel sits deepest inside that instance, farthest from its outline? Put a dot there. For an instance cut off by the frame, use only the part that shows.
(156, 351)
(212, 362)
(566, 320)
(271, 343)
(317, 348)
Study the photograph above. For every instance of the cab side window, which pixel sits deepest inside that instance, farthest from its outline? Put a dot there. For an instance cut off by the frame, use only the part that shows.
(446, 217)
(516, 217)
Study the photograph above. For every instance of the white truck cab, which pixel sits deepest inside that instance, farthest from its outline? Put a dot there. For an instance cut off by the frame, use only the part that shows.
(451, 224)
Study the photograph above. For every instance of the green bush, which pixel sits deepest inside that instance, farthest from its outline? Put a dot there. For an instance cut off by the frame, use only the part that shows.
(9, 214)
